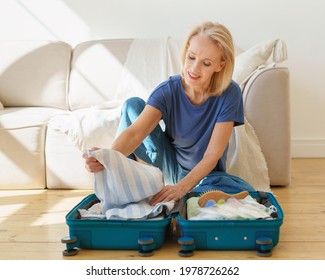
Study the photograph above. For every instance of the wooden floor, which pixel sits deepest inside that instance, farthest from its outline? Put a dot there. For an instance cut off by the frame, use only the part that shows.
(32, 223)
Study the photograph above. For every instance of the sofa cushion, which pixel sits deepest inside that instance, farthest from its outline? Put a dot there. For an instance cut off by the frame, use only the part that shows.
(260, 54)
(96, 69)
(17, 117)
(108, 70)
(34, 73)
(22, 145)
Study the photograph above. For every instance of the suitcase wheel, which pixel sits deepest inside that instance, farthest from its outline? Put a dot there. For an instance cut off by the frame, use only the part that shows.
(70, 252)
(264, 246)
(71, 243)
(147, 245)
(187, 246)
(68, 240)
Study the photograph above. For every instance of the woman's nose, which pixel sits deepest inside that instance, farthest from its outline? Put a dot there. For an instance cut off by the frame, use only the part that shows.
(195, 67)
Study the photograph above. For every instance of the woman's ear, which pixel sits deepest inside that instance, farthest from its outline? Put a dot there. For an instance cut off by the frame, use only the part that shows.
(221, 65)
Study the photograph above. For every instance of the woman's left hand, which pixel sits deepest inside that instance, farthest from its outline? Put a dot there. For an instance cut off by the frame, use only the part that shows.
(168, 193)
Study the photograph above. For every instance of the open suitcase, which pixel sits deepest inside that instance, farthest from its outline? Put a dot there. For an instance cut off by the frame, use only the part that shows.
(142, 235)
(260, 234)
(147, 235)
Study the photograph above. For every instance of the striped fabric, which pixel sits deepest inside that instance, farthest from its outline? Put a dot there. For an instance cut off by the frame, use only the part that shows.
(125, 187)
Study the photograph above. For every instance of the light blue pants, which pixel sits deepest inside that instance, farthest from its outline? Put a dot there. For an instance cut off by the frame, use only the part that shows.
(157, 150)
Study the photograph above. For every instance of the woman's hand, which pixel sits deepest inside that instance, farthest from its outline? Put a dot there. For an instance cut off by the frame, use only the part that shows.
(168, 193)
(92, 164)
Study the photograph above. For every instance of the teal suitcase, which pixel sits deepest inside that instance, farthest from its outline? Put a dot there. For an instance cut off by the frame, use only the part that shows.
(261, 235)
(142, 235)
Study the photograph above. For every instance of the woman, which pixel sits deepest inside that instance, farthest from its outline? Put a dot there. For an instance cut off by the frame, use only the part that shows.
(200, 107)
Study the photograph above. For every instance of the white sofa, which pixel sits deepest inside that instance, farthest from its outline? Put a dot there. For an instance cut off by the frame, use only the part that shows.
(40, 81)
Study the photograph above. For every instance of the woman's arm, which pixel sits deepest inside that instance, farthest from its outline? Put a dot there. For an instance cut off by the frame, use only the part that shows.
(131, 137)
(217, 145)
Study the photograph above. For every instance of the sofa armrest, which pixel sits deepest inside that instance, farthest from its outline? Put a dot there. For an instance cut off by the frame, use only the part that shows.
(267, 108)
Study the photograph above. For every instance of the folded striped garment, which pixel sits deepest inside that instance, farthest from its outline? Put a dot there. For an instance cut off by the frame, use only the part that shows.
(125, 187)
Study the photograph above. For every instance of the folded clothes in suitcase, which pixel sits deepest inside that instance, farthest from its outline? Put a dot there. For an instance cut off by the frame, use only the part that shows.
(235, 234)
(97, 233)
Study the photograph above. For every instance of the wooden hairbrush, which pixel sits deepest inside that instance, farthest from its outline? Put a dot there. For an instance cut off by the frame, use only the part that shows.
(217, 195)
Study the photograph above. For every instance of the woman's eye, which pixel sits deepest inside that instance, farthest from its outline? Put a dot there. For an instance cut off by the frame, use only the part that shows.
(207, 64)
(191, 57)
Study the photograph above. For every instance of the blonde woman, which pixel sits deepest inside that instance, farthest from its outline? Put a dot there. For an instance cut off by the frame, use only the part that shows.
(200, 107)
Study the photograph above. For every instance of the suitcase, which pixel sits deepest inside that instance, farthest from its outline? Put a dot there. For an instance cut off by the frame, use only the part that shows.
(261, 235)
(142, 235)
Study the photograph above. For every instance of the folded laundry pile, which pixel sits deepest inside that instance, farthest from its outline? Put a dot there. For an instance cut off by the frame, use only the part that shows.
(231, 208)
(125, 188)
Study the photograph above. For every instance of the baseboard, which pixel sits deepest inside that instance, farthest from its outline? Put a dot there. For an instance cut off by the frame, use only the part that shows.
(308, 148)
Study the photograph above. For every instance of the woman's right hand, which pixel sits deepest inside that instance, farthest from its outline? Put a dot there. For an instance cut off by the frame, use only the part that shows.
(92, 164)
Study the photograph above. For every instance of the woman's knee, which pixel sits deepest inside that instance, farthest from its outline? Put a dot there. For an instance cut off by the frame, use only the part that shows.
(133, 106)
(130, 111)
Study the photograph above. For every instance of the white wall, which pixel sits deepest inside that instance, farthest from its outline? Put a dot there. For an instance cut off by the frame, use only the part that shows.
(300, 23)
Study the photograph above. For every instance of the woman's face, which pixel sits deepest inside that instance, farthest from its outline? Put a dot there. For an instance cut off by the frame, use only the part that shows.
(203, 59)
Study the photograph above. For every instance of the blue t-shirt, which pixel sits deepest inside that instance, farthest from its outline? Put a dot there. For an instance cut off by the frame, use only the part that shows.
(189, 126)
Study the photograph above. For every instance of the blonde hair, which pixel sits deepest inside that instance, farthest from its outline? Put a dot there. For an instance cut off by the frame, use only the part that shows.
(222, 37)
